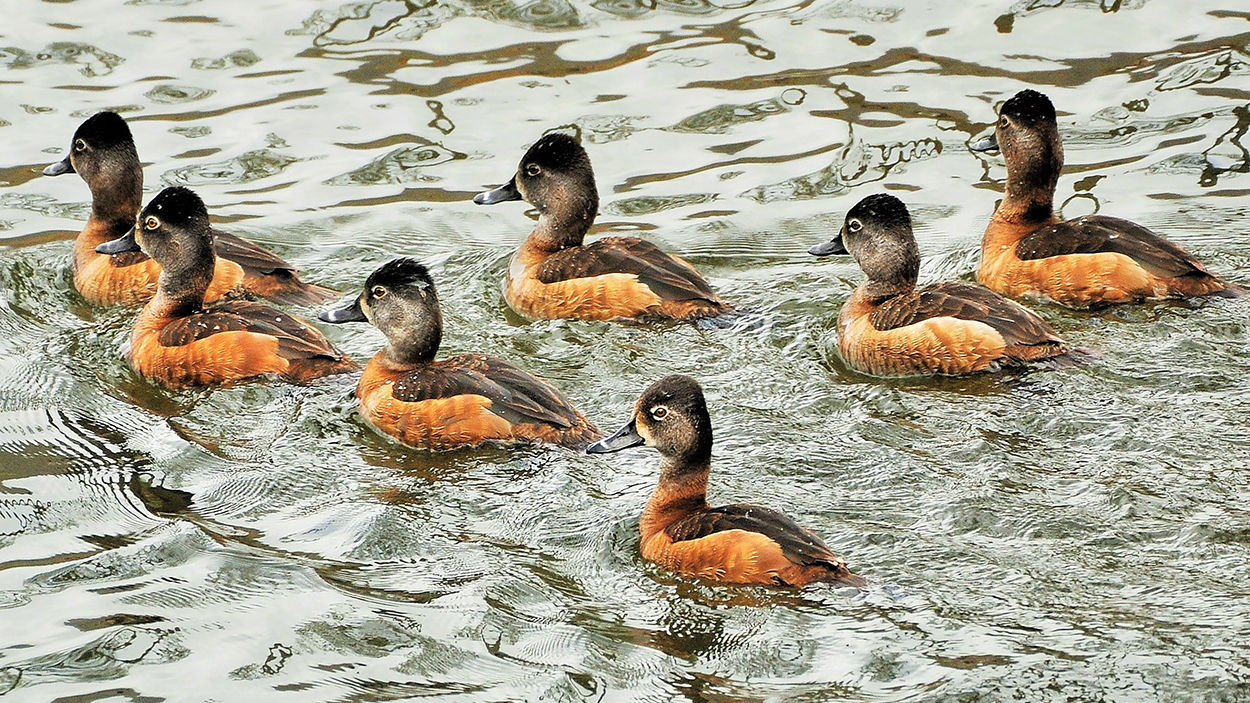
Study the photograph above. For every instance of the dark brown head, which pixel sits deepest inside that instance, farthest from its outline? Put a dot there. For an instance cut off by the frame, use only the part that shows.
(877, 233)
(173, 229)
(671, 416)
(399, 298)
(555, 177)
(103, 153)
(1027, 133)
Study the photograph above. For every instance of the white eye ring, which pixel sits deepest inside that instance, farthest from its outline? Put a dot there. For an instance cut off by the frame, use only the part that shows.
(379, 292)
(659, 412)
(532, 170)
(80, 145)
(150, 222)
(854, 224)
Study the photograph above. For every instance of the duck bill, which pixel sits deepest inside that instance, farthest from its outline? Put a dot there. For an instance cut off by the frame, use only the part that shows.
(624, 438)
(988, 145)
(351, 313)
(833, 247)
(502, 194)
(61, 167)
(121, 245)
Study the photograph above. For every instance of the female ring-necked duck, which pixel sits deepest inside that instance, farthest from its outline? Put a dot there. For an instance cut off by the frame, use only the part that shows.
(103, 153)
(1093, 260)
(891, 328)
(179, 341)
(554, 275)
(680, 532)
(463, 400)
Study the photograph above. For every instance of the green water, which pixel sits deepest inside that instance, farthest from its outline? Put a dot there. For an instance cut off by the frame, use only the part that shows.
(1078, 535)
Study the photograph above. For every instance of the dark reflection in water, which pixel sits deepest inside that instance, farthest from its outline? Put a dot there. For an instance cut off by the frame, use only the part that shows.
(1077, 532)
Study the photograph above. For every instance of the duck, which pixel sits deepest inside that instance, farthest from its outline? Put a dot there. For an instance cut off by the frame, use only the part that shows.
(460, 401)
(889, 327)
(556, 275)
(179, 341)
(1091, 261)
(103, 153)
(681, 533)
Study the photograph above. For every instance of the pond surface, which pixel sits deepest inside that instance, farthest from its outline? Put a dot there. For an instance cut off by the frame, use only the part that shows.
(1075, 535)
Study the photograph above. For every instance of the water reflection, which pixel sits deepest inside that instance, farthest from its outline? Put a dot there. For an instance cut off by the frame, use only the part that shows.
(142, 529)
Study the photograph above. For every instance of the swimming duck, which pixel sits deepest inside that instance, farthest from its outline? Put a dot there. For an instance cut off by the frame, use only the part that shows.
(554, 275)
(458, 401)
(178, 341)
(1093, 260)
(738, 543)
(103, 153)
(891, 328)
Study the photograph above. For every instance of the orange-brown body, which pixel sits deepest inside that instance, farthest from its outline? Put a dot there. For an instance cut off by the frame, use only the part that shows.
(219, 359)
(944, 345)
(602, 297)
(130, 279)
(1075, 280)
(729, 556)
(444, 423)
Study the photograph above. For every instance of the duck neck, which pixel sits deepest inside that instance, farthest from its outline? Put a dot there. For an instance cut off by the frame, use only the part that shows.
(116, 196)
(878, 291)
(179, 294)
(413, 351)
(682, 491)
(564, 219)
(1031, 181)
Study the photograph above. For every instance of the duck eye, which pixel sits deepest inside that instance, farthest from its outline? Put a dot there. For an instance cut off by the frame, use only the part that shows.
(151, 222)
(80, 145)
(854, 225)
(379, 291)
(533, 170)
(1002, 121)
(659, 412)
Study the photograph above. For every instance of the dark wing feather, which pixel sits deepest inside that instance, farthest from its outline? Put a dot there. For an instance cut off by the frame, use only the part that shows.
(1017, 324)
(668, 277)
(515, 395)
(1096, 233)
(799, 544)
(251, 257)
(296, 339)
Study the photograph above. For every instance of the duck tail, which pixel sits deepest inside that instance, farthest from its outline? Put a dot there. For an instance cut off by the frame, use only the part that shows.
(744, 319)
(285, 288)
(1234, 291)
(1071, 358)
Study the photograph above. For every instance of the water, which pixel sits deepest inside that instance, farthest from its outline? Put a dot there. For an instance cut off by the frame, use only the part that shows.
(1080, 535)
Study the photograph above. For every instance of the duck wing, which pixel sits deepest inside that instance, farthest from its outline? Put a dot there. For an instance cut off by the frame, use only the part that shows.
(1017, 324)
(297, 339)
(666, 275)
(516, 396)
(252, 257)
(268, 275)
(1095, 234)
(799, 544)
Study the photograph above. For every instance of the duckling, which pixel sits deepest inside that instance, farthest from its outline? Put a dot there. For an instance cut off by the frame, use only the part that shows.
(891, 328)
(103, 153)
(743, 544)
(554, 275)
(460, 401)
(178, 341)
(1090, 261)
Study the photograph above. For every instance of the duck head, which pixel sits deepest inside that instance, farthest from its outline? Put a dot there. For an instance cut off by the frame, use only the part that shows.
(671, 415)
(555, 177)
(399, 298)
(103, 153)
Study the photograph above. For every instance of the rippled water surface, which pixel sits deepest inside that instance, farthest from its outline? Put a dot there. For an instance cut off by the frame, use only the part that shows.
(1077, 535)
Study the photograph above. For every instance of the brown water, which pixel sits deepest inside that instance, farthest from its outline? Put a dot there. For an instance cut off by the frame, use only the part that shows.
(1080, 535)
